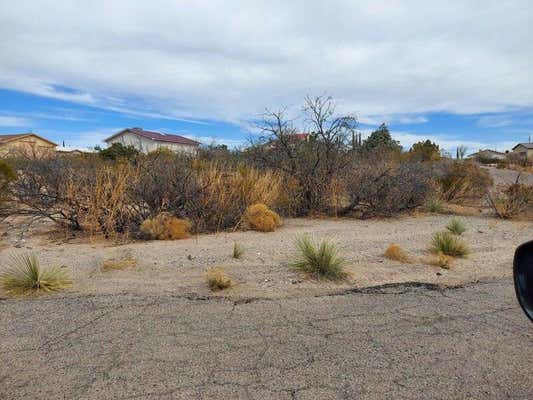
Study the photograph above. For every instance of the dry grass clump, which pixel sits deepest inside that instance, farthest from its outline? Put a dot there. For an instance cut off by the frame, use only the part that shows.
(464, 180)
(456, 226)
(448, 244)
(25, 275)
(261, 218)
(112, 264)
(396, 253)
(165, 227)
(217, 280)
(440, 260)
(321, 262)
(434, 206)
(238, 250)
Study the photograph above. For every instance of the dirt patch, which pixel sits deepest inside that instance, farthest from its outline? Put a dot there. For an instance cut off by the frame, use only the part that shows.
(179, 267)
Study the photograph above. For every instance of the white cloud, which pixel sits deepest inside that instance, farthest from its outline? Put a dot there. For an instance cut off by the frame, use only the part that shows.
(226, 60)
(14, 122)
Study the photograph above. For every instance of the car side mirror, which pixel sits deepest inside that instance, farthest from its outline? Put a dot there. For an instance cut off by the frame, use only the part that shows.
(523, 277)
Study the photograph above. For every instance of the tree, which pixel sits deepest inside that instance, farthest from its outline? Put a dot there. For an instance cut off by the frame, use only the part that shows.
(382, 139)
(118, 150)
(7, 175)
(461, 152)
(425, 151)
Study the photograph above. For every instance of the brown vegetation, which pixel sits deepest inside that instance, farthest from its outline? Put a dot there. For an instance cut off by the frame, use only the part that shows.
(165, 227)
(112, 264)
(261, 218)
(217, 279)
(395, 252)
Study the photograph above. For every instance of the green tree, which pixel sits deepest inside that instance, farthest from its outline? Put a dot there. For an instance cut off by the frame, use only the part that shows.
(382, 139)
(118, 150)
(424, 151)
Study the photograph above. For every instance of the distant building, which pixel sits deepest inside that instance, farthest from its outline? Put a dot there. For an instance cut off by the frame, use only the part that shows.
(525, 150)
(26, 145)
(147, 141)
(73, 150)
(488, 154)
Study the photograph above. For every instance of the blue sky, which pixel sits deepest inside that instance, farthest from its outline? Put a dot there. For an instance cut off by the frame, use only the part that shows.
(455, 73)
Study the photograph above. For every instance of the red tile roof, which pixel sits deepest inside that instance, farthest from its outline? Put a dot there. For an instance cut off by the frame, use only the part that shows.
(159, 137)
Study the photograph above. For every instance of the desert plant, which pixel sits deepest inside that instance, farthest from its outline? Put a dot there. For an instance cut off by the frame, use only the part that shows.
(434, 205)
(321, 262)
(515, 199)
(440, 260)
(217, 280)
(7, 175)
(26, 275)
(448, 244)
(112, 264)
(165, 227)
(395, 252)
(456, 226)
(238, 250)
(261, 218)
(463, 180)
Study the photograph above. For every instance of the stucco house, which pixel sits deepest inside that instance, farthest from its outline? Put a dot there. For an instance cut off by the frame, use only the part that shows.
(525, 150)
(488, 154)
(26, 145)
(147, 141)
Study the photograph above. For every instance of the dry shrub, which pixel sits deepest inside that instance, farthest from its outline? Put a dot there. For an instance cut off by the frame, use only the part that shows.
(440, 260)
(112, 264)
(217, 280)
(396, 253)
(238, 250)
(515, 199)
(165, 227)
(461, 180)
(261, 218)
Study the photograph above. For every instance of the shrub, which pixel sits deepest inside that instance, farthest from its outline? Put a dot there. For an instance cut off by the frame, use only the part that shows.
(217, 280)
(440, 260)
(165, 227)
(7, 175)
(238, 250)
(448, 244)
(26, 275)
(118, 151)
(321, 262)
(515, 199)
(456, 226)
(396, 253)
(387, 188)
(463, 180)
(434, 205)
(112, 264)
(261, 218)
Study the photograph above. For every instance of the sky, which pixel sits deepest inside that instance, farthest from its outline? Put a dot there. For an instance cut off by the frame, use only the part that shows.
(458, 72)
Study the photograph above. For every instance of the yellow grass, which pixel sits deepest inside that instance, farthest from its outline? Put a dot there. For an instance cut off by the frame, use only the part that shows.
(217, 280)
(112, 264)
(395, 252)
(261, 218)
(165, 227)
(440, 260)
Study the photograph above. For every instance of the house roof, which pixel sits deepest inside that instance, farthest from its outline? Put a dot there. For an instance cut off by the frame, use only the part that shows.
(16, 136)
(156, 136)
(526, 145)
(486, 151)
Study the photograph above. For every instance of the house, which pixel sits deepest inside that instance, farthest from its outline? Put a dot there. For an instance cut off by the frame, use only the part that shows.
(73, 150)
(26, 145)
(147, 141)
(524, 150)
(488, 154)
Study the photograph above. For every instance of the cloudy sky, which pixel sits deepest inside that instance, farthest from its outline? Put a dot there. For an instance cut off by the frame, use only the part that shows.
(455, 71)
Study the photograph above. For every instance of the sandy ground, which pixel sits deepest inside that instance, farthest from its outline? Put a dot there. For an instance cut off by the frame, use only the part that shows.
(178, 267)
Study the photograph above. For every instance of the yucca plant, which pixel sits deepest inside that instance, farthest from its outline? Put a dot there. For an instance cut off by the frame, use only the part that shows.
(238, 250)
(456, 226)
(434, 206)
(322, 261)
(448, 244)
(26, 275)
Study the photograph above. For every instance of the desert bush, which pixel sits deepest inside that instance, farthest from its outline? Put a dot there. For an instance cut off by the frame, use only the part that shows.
(7, 175)
(112, 264)
(515, 199)
(396, 253)
(387, 188)
(456, 226)
(448, 244)
(164, 226)
(261, 218)
(119, 151)
(321, 262)
(238, 250)
(25, 275)
(462, 180)
(434, 205)
(217, 280)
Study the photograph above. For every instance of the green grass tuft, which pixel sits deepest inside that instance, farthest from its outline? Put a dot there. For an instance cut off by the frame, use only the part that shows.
(238, 250)
(322, 261)
(435, 206)
(448, 244)
(25, 275)
(456, 226)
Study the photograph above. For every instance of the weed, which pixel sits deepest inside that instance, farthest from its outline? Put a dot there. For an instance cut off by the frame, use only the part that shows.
(395, 252)
(217, 280)
(322, 261)
(456, 226)
(435, 206)
(440, 260)
(238, 250)
(448, 244)
(165, 227)
(112, 264)
(261, 218)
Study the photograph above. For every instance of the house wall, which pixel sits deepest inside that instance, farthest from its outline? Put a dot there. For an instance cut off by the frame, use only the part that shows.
(146, 145)
(29, 146)
(524, 152)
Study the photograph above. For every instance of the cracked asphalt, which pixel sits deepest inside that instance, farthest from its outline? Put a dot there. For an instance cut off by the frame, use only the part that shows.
(393, 342)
